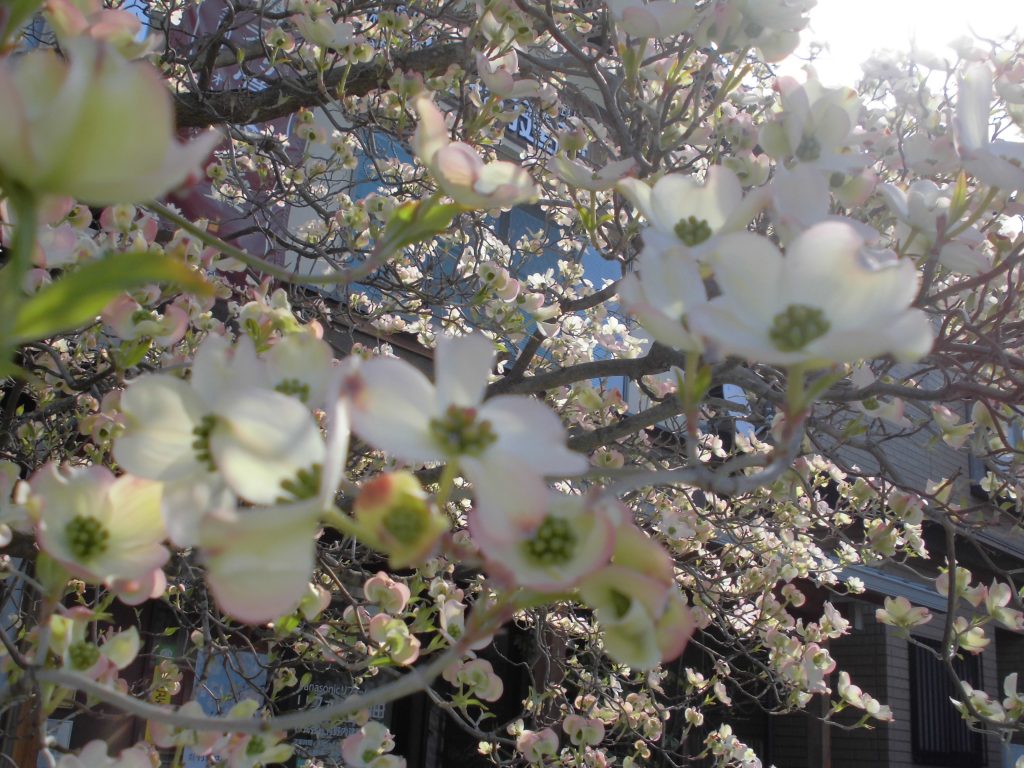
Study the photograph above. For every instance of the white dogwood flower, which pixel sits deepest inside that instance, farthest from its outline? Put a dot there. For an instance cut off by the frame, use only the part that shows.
(504, 445)
(1000, 162)
(224, 428)
(683, 210)
(828, 300)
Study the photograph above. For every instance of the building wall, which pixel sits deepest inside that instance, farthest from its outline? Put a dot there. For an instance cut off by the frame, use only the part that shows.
(864, 654)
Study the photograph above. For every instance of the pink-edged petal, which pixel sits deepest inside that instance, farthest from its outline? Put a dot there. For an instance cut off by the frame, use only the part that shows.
(431, 134)
(461, 369)
(456, 167)
(392, 405)
(259, 562)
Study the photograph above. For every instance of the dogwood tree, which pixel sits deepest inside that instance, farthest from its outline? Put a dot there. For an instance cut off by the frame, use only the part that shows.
(356, 335)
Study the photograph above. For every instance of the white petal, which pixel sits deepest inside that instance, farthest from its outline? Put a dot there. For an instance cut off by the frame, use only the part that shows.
(639, 194)
(674, 198)
(528, 429)
(749, 271)
(461, 369)
(825, 267)
(972, 107)
(161, 412)
(304, 358)
(392, 408)
(220, 369)
(259, 562)
(186, 502)
(511, 497)
(263, 439)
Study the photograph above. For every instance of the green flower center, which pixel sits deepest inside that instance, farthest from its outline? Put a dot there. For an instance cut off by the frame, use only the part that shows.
(294, 388)
(554, 542)
(809, 149)
(306, 485)
(693, 231)
(83, 655)
(797, 326)
(620, 603)
(460, 433)
(406, 522)
(87, 537)
(201, 445)
(256, 746)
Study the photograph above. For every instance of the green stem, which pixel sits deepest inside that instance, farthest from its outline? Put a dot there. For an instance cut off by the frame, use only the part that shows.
(340, 522)
(23, 245)
(446, 483)
(796, 396)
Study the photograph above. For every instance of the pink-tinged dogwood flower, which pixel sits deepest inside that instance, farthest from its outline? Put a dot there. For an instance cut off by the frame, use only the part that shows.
(536, 746)
(475, 677)
(97, 127)
(658, 18)
(392, 596)
(575, 537)
(498, 76)
(94, 755)
(814, 126)
(101, 662)
(504, 445)
(99, 527)
(828, 300)
(922, 214)
(89, 18)
(583, 731)
(577, 175)
(367, 748)
(326, 33)
(460, 172)
(644, 619)
(898, 612)
(394, 637)
(1000, 162)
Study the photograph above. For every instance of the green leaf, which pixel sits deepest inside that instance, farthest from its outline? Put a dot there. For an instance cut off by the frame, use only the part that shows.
(415, 222)
(77, 298)
(131, 353)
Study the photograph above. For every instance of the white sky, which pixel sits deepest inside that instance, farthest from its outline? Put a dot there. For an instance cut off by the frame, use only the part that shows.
(853, 29)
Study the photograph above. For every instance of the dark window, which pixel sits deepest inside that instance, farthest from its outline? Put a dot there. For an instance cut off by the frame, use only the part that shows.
(939, 735)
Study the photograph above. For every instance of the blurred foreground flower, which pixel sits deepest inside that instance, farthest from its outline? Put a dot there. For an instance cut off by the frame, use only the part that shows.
(97, 127)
